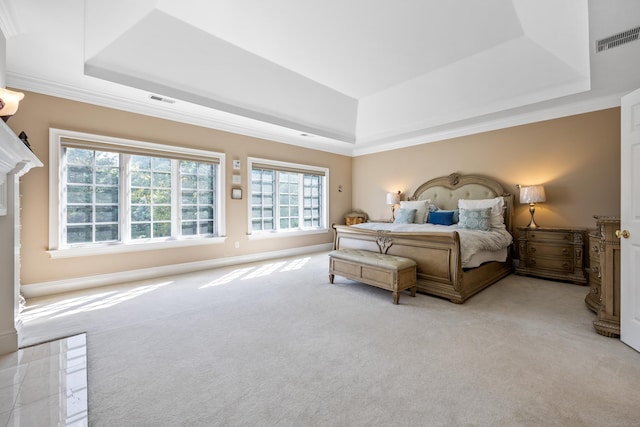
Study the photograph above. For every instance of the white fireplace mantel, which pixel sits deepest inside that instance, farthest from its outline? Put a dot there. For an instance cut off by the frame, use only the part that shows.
(16, 158)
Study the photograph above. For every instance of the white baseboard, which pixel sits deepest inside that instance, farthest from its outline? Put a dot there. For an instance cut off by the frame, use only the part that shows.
(68, 285)
(8, 341)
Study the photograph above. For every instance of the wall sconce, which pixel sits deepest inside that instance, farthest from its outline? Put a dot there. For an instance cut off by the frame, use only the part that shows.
(532, 194)
(393, 199)
(9, 101)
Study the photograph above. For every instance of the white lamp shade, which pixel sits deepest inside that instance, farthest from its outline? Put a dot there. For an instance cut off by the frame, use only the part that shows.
(532, 194)
(393, 198)
(10, 99)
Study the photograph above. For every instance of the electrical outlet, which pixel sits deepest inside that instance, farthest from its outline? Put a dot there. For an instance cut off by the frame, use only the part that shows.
(237, 245)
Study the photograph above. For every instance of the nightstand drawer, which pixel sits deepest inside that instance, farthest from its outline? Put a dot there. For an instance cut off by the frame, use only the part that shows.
(550, 236)
(558, 265)
(534, 249)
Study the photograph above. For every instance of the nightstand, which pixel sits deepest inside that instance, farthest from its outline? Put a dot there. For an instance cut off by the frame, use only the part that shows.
(552, 253)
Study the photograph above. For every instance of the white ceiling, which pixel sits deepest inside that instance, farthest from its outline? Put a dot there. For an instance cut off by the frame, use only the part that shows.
(355, 76)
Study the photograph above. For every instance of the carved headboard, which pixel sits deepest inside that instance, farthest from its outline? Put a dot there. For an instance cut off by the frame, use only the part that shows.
(445, 192)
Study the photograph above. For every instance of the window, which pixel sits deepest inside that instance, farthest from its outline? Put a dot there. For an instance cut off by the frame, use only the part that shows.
(109, 192)
(287, 198)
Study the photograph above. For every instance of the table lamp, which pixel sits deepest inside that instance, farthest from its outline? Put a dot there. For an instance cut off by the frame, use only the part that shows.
(393, 199)
(532, 194)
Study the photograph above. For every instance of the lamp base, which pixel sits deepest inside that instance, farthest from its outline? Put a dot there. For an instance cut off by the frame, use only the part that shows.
(532, 210)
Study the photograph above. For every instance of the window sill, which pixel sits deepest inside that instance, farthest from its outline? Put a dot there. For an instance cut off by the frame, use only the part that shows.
(131, 247)
(274, 235)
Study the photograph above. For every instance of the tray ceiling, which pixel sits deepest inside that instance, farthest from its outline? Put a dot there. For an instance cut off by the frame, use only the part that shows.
(351, 77)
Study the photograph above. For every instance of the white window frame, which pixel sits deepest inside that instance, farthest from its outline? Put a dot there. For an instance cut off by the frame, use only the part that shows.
(56, 250)
(254, 234)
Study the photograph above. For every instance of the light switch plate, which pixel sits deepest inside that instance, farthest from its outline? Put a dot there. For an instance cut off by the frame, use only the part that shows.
(236, 164)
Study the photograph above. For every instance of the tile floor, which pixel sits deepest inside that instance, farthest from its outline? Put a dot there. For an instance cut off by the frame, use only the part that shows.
(45, 384)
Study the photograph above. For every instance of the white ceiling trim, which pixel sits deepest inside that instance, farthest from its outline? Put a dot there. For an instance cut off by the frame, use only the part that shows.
(8, 22)
(316, 143)
(252, 128)
(602, 103)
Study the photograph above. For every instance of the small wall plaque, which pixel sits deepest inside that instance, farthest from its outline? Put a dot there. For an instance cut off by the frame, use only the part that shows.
(236, 193)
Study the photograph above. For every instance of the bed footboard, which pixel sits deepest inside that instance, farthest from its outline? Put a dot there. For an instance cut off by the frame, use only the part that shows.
(437, 255)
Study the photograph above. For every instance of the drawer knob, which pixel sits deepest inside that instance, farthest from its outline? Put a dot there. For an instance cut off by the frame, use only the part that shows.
(532, 249)
(565, 251)
(565, 264)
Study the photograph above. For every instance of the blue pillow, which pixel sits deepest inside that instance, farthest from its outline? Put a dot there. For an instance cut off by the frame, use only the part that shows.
(456, 214)
(475, 219)
(405, 216)
(441, 217)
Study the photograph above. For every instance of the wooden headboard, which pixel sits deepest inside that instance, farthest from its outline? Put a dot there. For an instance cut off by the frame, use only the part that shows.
(445, 192)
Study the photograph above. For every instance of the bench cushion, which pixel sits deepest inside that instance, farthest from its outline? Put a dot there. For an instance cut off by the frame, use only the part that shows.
(390, 262)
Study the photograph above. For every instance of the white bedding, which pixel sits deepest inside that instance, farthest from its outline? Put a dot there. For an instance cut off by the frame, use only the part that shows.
(476, 247)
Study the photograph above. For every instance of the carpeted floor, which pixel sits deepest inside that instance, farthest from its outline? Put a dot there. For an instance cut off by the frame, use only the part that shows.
(273, 343)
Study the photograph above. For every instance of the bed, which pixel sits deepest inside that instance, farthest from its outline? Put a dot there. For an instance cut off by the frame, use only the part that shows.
(445, 266)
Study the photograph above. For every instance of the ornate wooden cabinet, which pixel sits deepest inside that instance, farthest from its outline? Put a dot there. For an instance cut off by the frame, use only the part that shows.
(552, 253)
(593, 298)
(604, 280)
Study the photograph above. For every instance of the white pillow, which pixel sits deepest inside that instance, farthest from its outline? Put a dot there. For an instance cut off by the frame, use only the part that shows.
(496, 204)
(421, 207)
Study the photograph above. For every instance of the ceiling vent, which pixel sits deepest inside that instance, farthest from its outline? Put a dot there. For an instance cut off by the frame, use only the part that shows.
(162, 99)
(618, 39)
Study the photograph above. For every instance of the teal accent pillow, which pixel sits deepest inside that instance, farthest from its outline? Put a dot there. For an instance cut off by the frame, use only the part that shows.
(441, 218)
(405, 216)
(475, 219)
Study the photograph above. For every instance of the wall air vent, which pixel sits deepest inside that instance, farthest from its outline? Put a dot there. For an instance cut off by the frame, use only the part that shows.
(618, 39)
(162, 99)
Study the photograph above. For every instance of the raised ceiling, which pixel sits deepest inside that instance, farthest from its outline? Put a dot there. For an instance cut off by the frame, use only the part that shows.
(353, 77)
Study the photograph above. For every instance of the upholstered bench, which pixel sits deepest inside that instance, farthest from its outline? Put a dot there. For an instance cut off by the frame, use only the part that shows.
(389, 272)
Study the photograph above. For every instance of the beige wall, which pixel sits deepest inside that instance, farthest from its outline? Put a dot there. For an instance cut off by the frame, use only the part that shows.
(39, 112)
(576, 158)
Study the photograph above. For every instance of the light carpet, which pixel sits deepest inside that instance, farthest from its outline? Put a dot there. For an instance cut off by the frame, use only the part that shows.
(274, 344)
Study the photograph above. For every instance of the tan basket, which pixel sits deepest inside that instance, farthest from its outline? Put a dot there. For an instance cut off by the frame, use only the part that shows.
(351, 220)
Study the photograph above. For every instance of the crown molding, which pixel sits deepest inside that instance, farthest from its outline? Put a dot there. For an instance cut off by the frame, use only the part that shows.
(74, 93)
(565, 110)
(8, 22)
(322, 144)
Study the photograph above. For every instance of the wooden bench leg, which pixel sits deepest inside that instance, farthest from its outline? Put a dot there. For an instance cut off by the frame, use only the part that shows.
(396, 297)
(331, 278)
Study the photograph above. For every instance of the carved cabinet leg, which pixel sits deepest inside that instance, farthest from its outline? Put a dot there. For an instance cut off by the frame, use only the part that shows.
(331, 278)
